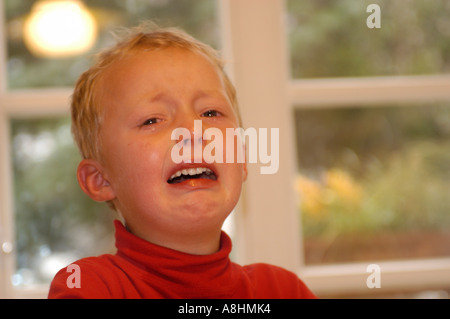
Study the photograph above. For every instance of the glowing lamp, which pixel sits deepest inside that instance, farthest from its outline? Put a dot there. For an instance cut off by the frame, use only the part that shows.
(58, 28)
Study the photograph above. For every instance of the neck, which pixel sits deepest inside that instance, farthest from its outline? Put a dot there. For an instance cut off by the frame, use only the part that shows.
(191, 243)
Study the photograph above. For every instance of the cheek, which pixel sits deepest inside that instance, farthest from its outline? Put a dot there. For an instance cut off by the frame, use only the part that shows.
(146, 161)
(234, 187)
(234, 147)
(233, 178)
(224, 145)
(138, 166)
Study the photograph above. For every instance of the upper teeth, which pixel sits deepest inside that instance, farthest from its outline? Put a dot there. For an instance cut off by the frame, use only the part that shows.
(191, 171)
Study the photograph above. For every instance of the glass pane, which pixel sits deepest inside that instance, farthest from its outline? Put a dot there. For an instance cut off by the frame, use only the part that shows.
(374, 182)
(28, 70)
(55, 222)
(331, 39)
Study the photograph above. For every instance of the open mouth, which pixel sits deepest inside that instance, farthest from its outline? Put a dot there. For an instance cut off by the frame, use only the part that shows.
(191, 173)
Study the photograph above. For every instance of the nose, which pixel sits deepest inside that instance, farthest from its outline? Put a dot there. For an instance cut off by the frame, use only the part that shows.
(188, 136)
(192, 124)
(192, 137)
(192, 129)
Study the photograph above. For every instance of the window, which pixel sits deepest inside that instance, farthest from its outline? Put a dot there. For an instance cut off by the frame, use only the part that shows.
(331, 38)
(373, 182)
(25, 68)
(46, 221)
(55, 223)
(296, 63)
(371, 118)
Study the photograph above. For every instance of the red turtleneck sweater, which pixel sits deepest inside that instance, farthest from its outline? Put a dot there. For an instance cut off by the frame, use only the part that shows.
(141, 269)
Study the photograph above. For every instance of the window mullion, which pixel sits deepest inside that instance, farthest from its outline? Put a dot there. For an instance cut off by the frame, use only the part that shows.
(6, 229)
(268, 229)
(30, 103)
(7, 252)
(3, 46)
(350, 279)
(368, 91)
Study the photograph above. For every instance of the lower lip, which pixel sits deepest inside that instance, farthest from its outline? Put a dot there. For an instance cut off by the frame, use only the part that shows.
(198, 183)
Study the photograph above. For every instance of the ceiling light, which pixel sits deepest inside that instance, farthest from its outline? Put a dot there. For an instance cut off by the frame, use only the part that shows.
(59, 28)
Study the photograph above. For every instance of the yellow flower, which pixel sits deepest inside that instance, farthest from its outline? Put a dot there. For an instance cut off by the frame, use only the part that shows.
(344, 186)
(311, 197)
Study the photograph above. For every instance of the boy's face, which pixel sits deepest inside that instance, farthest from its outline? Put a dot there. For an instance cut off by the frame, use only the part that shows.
(144, 98)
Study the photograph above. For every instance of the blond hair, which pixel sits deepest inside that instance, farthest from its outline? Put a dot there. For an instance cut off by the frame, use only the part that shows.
(86, 110)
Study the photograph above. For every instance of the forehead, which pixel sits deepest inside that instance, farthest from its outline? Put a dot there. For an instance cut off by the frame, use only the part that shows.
(141, 71)
(161, 64)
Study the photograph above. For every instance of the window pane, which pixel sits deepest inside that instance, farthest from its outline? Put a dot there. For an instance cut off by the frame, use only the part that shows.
(331, 39)
(26, 70)
(374, 182)
(55, 222)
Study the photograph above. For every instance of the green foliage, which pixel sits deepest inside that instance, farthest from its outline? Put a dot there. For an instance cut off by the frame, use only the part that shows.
(331, 39)
(394, 162)
(51, 211)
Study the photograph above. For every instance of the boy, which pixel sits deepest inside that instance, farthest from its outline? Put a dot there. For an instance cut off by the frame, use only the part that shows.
(124, 112)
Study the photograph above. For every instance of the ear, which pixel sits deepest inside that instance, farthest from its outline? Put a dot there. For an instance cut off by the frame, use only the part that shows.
(93, 182)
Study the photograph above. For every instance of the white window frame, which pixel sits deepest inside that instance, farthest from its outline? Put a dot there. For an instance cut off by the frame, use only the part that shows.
(410, 275)
(267, 223)
(18, 104)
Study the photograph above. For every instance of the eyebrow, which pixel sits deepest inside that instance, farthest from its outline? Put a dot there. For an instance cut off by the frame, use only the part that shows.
(210, 93)
(157, 97)
(200, 94)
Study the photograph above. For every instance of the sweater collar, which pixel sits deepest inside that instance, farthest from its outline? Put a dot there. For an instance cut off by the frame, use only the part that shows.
(192, 275)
